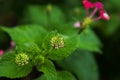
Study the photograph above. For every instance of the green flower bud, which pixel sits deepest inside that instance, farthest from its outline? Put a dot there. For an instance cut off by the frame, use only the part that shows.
(39, 60)
(76, 11)
(49, 8)
(57, 41)
(21, 59)
(34, 49)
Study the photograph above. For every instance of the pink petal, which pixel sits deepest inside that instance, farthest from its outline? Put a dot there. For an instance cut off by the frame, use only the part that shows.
(98, 5)
(77, 24)
(104, 15)
(88, 4)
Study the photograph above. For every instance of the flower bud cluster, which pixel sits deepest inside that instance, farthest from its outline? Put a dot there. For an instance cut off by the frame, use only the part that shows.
(57, 41)
(21, 59)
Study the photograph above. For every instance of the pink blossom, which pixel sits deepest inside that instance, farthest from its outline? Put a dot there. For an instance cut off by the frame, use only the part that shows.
(1, 52)
(98, 5)
(88, 4)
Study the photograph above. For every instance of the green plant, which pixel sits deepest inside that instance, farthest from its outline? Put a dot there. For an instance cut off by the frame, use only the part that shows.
(48, 43)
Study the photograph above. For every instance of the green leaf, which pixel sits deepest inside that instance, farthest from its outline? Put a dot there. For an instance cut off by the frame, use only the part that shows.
(48, 69)
(66, 50)
(38, 15)
(87, 40)
(9, 69)
(65, 75)
(30, 48)
(82, 64)
(26, 33)
(115, 3)
(67, 29)
(46, 44)
(42, 77)
(61, 75)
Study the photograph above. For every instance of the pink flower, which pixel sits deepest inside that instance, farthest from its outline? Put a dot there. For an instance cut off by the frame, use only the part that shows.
(98, 5)
(1, 52)
(87, 4)
(77, 24)
(104, 15)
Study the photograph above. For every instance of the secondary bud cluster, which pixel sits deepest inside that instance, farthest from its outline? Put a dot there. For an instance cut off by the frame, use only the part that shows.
(34, 49)
(57, 41)
(39, 60)
(21, 59)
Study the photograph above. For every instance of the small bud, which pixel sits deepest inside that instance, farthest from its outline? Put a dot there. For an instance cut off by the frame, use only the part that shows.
(77, 24)
(104, 15)
(49, 8)
(39, 60)
(57, 41)
(34, 49)
(76, 11)
(21, 59)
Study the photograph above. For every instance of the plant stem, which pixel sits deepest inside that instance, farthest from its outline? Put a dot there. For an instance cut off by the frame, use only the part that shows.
(98, 18)
(93, 13)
